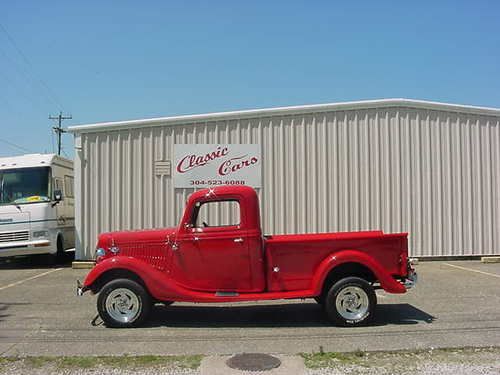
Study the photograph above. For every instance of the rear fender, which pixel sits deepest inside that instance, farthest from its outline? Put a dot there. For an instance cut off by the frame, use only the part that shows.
(159, 285)
(387, 282)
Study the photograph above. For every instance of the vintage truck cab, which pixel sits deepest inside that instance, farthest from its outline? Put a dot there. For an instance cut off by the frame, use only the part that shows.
(218, 254)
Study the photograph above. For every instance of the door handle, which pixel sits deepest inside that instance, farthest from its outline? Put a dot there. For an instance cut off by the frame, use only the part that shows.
(196, 239)
(238, 239)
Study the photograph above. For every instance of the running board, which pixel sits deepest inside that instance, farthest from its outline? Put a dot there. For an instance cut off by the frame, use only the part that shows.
(226, 294)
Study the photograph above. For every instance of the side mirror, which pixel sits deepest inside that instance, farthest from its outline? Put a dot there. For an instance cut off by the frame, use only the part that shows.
(58, 195)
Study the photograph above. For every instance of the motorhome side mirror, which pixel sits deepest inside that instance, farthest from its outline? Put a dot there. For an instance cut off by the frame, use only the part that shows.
(58, 195)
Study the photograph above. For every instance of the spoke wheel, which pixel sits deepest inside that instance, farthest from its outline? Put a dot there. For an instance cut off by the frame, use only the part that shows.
(351, 302)
(123, 303)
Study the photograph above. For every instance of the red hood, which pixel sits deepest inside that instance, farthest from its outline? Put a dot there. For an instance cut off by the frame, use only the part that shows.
(106, 240)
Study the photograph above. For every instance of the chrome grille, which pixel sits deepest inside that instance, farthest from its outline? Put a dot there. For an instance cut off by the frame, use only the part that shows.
(154, 252)
(22, 235)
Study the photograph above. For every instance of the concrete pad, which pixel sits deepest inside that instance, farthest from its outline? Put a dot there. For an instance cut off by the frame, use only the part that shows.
(81, 265)
(5, 347)
(216, 365)
(450, 307)
(490, 259)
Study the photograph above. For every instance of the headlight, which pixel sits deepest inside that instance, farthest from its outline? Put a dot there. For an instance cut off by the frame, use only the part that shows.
(100, 252)
(40, 233)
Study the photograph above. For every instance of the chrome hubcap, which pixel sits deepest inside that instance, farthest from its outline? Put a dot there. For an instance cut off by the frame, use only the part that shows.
(352, 303)
(123, 305)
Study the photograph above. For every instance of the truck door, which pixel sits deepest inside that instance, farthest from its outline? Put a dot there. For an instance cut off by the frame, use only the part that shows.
(213, 254)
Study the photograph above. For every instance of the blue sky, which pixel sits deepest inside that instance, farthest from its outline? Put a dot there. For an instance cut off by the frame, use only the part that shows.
(103, 61)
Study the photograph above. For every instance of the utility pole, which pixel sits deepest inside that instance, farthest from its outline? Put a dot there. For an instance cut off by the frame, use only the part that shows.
(58, 129)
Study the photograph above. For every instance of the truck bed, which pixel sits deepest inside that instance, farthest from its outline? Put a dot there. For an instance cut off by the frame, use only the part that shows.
(298, 255)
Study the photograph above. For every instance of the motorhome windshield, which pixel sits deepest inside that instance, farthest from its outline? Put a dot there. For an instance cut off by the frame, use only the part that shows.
(24, 185)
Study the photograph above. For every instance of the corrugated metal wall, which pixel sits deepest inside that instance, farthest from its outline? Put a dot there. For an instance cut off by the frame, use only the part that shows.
(431, 173)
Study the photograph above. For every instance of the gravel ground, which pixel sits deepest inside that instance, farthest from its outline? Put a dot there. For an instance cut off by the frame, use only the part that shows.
(442, 362)
(469, 361)
(426, 369)
(17, 368)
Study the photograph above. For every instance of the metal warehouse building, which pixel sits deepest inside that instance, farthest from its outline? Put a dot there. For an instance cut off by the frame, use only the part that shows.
(430, 169)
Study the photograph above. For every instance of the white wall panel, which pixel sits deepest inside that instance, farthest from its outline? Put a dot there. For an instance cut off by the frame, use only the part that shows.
(435, 174)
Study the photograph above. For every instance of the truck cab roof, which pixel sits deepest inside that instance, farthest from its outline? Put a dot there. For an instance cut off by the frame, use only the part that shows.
(245, 195)
(33, 160)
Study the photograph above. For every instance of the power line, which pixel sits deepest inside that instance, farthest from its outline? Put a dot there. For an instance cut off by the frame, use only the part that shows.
(41, 82)
(9, 79)
(30, 95)
(14, 145)
(9, 106)
(59, 130)
(30, 81)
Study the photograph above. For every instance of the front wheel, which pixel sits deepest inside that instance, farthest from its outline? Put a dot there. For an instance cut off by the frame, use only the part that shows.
(52, 259)
(351, 302)
(123, 303)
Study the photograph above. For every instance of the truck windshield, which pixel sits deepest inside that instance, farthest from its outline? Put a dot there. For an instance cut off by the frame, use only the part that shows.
(24, 185)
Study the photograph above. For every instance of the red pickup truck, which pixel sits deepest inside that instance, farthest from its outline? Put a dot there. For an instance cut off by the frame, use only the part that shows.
(218, 254)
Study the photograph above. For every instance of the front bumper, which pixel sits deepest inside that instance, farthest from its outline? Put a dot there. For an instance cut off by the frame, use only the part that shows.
(26, 247)
(411, 280)
(80, 289)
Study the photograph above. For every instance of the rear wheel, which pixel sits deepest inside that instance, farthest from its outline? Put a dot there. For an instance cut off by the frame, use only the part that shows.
(351, 302)
(123, 303)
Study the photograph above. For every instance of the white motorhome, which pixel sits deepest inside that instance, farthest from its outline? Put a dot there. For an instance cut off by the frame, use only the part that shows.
(36, 205)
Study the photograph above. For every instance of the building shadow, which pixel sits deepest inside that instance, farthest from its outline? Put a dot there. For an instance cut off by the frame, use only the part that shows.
(275, 315)
(34, 262)
(4, 306)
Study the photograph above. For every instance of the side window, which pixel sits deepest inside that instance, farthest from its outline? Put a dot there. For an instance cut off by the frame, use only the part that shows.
(217, 214)
(68, 186)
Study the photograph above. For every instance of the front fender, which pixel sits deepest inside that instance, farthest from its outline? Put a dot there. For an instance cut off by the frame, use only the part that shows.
(387, 282)
(159, 285)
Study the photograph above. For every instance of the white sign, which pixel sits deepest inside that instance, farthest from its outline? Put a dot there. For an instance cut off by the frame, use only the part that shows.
(206, 165)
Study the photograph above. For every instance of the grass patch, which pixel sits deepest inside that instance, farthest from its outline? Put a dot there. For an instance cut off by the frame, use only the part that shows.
(330, 359)
(6, 360)
(359, 358)
(86, 362)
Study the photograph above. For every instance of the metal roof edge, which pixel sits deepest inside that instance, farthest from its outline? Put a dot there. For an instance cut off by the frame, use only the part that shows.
(312, 108)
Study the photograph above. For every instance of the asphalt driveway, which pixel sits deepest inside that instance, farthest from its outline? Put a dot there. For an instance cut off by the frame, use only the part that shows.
(455, 304)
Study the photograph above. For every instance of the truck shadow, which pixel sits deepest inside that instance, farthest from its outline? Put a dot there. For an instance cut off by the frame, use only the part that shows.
(400, 313)
(275, 315)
